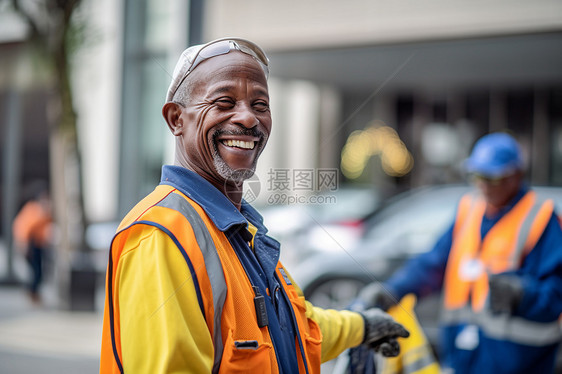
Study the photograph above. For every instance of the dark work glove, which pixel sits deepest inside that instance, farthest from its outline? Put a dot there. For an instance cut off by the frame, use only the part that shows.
(376, 295)
(506, 292)
(382, 331)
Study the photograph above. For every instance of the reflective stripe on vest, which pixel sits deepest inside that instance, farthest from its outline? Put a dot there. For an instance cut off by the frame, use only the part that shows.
(524, 231)
(505, 327)
(212, 264)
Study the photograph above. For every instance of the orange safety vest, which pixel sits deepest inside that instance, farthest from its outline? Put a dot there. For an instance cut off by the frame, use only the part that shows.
(230, 313)
(503, 249)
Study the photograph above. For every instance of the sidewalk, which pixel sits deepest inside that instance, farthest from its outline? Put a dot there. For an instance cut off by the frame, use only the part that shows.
(43, 339)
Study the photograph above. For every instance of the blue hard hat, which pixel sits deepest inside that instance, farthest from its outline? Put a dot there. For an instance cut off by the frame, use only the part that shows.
(495, 155)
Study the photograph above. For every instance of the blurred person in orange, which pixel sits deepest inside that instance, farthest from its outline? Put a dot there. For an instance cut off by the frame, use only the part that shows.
(499, 267)
(32, 231)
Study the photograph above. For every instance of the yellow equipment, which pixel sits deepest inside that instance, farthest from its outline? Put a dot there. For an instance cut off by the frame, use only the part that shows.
(416, 356)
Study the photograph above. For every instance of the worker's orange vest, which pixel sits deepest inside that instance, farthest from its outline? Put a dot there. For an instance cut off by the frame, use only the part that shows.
(230, 313)
(503, 248)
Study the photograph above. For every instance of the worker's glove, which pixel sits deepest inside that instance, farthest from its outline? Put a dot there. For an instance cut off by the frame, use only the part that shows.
(506, 292)
(376, 295)
(382, 331)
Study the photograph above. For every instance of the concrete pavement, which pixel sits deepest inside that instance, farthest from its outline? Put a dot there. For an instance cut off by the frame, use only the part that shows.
(44, 339)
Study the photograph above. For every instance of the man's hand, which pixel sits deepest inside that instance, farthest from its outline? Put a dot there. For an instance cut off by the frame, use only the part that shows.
(375, 295)
(506, 292)
(382, 331)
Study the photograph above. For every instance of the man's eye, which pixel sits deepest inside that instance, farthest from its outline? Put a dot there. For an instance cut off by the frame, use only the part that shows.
(261, 106)
(225, 103)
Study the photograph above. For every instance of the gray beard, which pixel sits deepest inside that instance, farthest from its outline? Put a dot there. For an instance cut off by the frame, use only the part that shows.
(229, 174)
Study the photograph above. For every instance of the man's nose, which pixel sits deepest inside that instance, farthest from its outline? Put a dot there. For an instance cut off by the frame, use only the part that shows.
(245, 116)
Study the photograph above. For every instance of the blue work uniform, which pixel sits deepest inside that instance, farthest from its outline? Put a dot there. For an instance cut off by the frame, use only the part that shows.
(541, 274)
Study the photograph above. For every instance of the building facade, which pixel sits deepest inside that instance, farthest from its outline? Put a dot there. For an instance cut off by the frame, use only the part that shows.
(434, 75)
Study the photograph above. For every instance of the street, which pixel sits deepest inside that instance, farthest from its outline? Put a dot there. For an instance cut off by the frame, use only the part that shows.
(44, 339)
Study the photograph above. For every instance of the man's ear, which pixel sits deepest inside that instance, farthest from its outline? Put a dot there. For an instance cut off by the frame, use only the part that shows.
(172, 115)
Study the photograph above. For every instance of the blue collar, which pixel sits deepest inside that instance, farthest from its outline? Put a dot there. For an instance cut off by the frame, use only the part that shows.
(217, 206)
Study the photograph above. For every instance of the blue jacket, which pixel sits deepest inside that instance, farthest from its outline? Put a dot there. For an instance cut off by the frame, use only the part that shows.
(541, 272)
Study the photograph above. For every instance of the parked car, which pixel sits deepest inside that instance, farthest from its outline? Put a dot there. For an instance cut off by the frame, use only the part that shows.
(307, 229)
(401, 228)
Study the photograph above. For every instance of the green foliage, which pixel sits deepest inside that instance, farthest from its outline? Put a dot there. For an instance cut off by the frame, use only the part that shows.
(58, 30)
(80, 33)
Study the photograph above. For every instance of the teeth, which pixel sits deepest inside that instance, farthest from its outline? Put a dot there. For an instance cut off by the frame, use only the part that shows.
(239, 144)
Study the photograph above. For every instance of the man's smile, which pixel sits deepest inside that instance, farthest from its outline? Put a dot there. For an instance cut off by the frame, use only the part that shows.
(239, 144)
(239, 141)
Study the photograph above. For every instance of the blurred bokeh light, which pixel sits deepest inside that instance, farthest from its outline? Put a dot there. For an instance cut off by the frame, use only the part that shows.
(376, 140)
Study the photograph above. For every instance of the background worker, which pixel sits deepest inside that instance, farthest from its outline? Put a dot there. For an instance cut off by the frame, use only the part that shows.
(33, 229)
(194, 283)
(499, 266)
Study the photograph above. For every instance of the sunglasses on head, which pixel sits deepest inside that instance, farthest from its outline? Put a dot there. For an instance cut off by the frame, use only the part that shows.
(223, 46)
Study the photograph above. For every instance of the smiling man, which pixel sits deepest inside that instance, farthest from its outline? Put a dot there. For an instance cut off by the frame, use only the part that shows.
(221, 126)
(194, 284)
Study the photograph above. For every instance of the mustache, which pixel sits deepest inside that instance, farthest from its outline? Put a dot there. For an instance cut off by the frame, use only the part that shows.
(247, 132)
